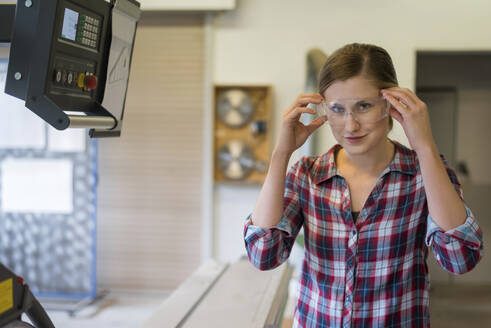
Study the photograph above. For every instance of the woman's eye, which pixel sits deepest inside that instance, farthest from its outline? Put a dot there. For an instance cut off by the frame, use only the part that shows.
(336, 108)
(365, 106)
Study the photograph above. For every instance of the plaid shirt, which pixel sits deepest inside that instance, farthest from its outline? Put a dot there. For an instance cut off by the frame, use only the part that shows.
(372, 273)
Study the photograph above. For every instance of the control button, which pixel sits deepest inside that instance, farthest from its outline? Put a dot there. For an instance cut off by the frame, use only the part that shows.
(81, 80)
(96, 22)
(70, 78)
(90, 82)
(57, 76)
(64, 76)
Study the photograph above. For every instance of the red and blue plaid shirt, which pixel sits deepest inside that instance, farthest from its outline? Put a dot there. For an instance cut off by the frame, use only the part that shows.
(372, 273)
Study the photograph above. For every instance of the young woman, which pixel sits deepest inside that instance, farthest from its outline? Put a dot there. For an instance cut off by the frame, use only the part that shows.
(370, 207)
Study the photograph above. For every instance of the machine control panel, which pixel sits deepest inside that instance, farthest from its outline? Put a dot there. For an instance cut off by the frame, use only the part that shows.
(77, 56)
(64, 68)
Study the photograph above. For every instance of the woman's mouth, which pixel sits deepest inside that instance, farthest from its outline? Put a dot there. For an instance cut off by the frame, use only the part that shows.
(354, 139)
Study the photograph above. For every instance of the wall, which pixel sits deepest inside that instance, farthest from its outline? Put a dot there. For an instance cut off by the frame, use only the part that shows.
(151, 179)
(265, 42)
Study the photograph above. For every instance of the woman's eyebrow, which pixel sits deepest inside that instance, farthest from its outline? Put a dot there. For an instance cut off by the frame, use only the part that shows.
(365, 99)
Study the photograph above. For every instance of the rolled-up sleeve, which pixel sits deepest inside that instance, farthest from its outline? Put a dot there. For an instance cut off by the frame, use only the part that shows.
(268, 248)
(460, 249)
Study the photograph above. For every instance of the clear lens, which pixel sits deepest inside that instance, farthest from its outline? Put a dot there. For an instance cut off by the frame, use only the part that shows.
(363, 110)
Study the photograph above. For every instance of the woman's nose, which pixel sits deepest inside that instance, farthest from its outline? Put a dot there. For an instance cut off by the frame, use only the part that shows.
(350, 123)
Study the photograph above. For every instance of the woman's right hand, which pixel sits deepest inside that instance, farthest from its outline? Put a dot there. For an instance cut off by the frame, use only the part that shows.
(294, 133)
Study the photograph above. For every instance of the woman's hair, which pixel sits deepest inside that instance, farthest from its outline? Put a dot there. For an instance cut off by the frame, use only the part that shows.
(359, 59)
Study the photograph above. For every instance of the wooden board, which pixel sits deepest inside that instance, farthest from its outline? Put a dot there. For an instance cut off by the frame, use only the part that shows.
(174, 311)
(238, 296)
(244, 297)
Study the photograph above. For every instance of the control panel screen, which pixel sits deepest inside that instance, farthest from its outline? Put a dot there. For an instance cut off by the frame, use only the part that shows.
(82, 28)
(70, 21)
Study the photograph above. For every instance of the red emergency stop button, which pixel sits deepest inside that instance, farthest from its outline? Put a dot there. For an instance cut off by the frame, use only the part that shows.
(90, 82)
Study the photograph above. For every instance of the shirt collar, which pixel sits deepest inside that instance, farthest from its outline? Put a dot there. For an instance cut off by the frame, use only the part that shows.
(325, 168)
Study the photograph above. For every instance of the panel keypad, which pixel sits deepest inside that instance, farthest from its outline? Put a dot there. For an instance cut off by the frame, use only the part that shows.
(88, 31)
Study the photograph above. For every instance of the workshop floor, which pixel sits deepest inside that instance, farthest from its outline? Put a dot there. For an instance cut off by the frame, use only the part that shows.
(117, 309)
(459, 306)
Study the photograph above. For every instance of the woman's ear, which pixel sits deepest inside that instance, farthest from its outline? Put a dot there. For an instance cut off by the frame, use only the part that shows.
(391, 123)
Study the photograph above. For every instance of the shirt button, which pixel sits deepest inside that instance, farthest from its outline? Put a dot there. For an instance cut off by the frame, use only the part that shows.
(353, 232)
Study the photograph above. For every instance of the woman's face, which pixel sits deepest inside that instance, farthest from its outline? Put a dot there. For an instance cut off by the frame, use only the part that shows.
(372, 134)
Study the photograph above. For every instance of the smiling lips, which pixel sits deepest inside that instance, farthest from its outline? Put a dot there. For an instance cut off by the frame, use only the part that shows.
(354, 139)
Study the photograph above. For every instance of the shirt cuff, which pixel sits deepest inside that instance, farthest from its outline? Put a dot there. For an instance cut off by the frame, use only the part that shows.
(252, 232)
(468, 232)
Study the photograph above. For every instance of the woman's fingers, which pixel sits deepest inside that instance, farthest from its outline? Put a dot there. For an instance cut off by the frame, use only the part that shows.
(315, 124)
(395, 114)
(402, 95)
(402, 108)
(304, 99)
(296, 112)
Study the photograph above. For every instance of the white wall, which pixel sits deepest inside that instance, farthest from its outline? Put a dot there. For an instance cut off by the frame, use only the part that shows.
(265, 42)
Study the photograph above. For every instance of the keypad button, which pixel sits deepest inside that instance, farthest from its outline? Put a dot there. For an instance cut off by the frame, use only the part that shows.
(70, 78)
(57, 76)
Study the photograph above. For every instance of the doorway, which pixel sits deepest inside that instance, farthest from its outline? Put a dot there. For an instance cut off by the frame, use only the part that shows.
(456, 86)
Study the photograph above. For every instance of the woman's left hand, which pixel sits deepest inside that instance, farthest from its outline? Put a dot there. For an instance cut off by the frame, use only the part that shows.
(412, 114)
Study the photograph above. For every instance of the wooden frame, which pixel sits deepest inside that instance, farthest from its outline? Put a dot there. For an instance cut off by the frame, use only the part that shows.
(260, 144)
